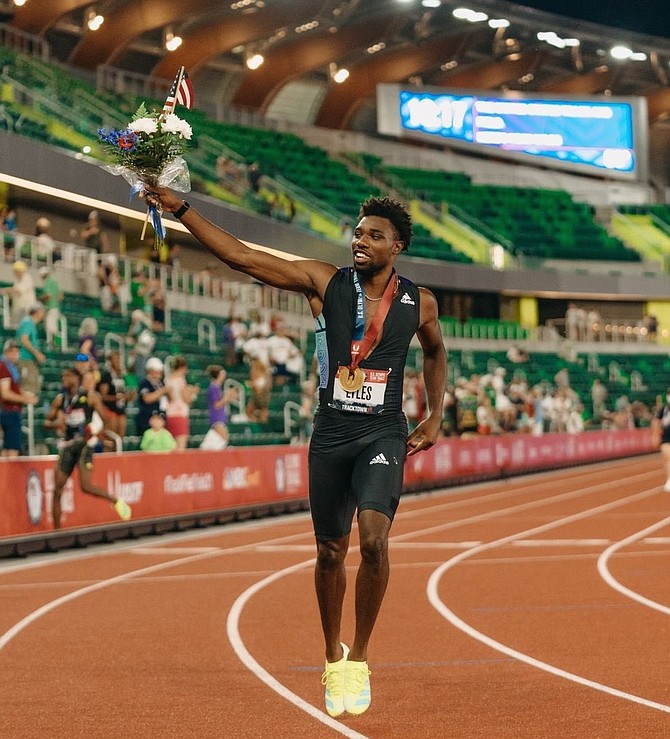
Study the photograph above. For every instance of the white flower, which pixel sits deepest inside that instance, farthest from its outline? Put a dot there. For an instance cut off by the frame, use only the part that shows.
(143, 125)
(175, 124)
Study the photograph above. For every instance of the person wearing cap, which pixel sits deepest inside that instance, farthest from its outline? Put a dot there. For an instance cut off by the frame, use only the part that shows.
(152, 395)
(30, 353)
(76, 413)
(157, 438)
(21, 292)
(12, 399)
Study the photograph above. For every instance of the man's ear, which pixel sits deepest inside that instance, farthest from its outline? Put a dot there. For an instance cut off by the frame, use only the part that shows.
(398, 246)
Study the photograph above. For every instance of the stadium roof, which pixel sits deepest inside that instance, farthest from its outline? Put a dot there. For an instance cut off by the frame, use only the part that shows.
(305, 42)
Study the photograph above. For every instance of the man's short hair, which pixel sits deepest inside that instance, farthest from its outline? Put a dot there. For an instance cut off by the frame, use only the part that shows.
(395, 212)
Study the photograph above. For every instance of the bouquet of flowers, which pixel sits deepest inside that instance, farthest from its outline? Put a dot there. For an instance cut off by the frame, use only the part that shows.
(149, 151)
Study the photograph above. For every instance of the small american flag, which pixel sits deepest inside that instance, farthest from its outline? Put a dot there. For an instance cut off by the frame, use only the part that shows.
(181, 93)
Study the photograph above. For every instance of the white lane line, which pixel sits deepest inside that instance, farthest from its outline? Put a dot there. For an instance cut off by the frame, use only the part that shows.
(603, 567)
(174, 550)
(459, 623)
(19, 626)
(233, 630)
(560, 542)
(578, 493)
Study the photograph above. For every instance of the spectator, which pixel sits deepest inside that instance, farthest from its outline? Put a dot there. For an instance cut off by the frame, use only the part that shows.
(486, 417)
(256, 346)
(286, 359)
(575, 322)
(593, 325)
(650, 322)
(216, 437)
(12, 399)
(87, 338)
(82, 363)
(180, 398)
(260, 384)
(22, 292)
(115, 396)
(138, 287)
(157, 438)
(255, 177)
(8, 227)
(51, 296)
(44, 244)
(30, 354)
(93, 234)
(142, 339)
(517, 355)
(234, 335)
(152, 395)
(413, 398)
(598, 399)
(109, 280)
(154, 295)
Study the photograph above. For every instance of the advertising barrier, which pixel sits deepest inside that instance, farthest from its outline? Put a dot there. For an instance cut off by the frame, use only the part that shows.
(163, 485)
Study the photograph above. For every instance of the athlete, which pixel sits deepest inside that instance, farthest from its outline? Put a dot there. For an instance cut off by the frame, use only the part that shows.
(77, 413)
(661, 431)
(366, 316)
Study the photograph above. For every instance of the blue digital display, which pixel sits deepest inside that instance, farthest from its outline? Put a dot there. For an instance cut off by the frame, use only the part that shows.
(596, 134)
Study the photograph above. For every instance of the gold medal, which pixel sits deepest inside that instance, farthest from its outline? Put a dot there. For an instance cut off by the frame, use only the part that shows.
(350, 382)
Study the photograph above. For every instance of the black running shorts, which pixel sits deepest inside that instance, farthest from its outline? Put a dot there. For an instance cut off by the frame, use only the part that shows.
(73, 454)
(361, 473)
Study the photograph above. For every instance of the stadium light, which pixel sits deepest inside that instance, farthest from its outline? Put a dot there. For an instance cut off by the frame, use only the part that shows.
(254, 61)
(20, 3)
(338, 75)
(172, 40)
(621, 52)
(465, 14)
(94, 20)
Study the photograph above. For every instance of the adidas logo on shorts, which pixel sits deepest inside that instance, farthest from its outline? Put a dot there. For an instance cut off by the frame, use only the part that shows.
(379, 459)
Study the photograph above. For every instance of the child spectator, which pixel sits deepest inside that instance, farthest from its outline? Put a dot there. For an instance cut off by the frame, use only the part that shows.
(157, 438)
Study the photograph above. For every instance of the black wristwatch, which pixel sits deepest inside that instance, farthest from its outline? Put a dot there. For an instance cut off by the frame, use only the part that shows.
(181, 211)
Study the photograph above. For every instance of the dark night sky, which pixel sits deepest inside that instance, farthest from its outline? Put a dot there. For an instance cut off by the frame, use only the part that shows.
(642, 16)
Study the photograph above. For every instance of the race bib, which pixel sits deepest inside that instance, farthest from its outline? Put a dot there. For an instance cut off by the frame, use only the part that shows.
(369, 398)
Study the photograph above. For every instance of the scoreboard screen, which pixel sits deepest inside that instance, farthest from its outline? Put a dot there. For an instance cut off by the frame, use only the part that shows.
(598, 135)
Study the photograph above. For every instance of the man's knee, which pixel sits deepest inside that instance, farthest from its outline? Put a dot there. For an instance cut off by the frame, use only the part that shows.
(374, 548)
(330, 554)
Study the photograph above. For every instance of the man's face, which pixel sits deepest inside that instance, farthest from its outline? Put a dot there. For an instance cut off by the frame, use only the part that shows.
(374, 245)
(70, 380)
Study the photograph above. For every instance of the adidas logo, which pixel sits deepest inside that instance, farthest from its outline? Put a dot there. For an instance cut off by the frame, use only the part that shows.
(379, 459)
(406, 299)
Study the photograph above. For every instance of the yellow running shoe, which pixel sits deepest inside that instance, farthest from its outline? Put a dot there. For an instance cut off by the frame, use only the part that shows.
(123, 509)
(333, 679)
(357, 694)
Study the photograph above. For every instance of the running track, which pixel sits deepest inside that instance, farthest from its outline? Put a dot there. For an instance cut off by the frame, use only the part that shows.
(531, 607)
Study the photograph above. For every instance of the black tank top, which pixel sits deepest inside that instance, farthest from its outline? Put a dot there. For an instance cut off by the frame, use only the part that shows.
(382, 391)
(78, 413)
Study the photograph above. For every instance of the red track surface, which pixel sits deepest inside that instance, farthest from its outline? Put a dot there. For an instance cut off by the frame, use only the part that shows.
(532, 607)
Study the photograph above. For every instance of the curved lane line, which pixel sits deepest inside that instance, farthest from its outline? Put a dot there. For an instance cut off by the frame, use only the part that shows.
(603, 567)
(19, 626)
(233, 630)
(449, 615)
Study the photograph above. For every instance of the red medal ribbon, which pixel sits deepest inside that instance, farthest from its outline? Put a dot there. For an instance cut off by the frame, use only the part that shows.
(360, 348)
